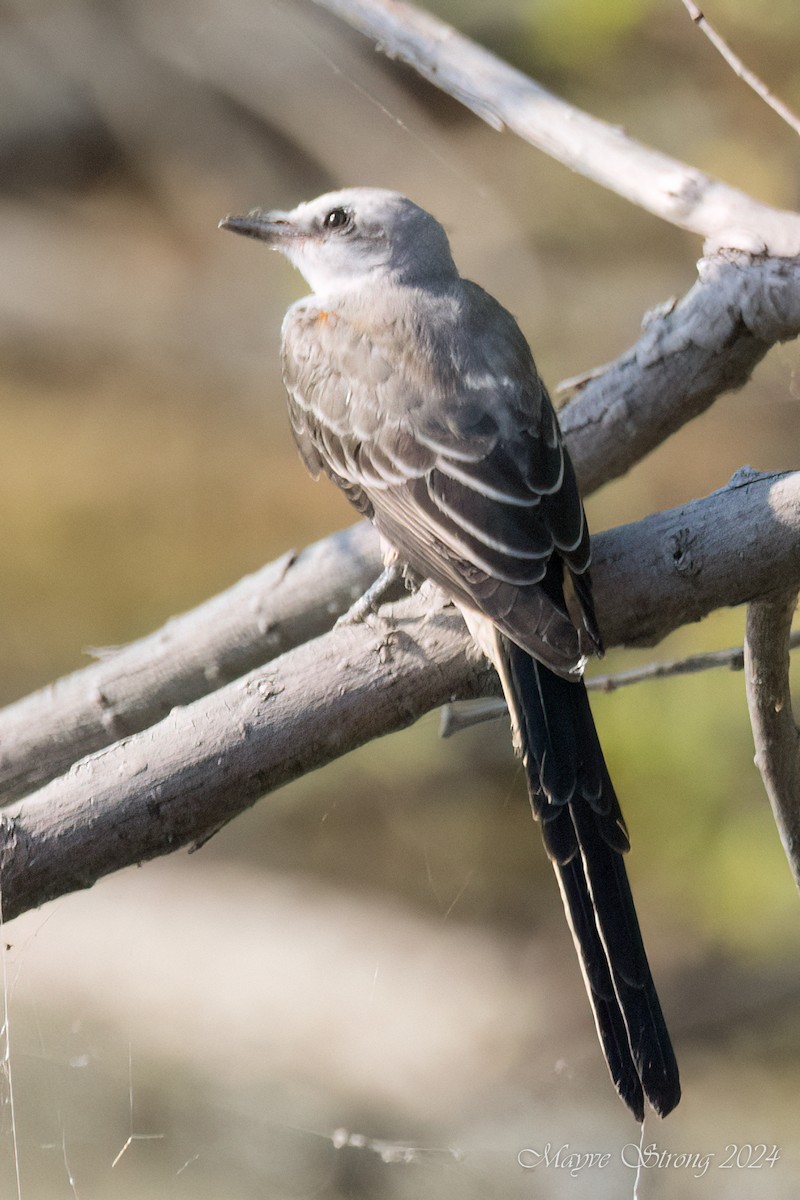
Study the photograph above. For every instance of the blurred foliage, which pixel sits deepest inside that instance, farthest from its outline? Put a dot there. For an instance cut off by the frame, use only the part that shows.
(578, 36)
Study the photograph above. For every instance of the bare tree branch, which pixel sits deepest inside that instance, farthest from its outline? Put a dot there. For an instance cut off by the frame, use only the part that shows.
(687, 355)
(704, 554)
(776, 736)
(172, 780)
(735, 63)
(505, 97)
(178, 781)
(284, 604)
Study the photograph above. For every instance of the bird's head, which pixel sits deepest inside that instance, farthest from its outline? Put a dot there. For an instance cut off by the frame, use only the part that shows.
(353, 237)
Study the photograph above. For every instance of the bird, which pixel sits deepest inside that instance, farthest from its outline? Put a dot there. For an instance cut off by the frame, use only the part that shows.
(415, 392)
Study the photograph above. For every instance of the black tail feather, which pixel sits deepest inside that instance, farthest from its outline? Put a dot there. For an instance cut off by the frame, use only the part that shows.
(611, 1028)
(585, 836)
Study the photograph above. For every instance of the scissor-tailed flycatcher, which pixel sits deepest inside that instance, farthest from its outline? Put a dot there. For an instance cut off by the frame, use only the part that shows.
(416, 393)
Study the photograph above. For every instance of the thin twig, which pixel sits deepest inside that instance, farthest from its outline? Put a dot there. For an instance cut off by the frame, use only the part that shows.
(732, 658)
(458, 716)
(737, 66)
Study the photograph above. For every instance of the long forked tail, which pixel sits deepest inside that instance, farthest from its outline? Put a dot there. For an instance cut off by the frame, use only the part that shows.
(584, 833)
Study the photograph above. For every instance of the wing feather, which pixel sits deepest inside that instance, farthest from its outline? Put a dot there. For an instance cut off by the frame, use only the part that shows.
(454, 450)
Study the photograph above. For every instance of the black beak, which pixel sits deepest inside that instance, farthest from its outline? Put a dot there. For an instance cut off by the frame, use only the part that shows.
(270, 227)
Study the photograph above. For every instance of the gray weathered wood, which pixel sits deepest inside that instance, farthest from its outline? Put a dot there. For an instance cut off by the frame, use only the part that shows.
(675, 567)
(687, 355)
(506, 98)
(174, 779)
(287, 602)
(179, 780)
(769, 698)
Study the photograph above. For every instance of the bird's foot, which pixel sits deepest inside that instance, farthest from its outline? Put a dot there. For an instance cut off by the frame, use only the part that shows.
(372, 598)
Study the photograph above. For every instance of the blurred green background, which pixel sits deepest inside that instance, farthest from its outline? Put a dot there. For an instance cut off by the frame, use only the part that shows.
(380, 947)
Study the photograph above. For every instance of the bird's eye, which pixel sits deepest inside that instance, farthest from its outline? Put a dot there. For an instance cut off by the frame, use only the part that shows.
(337, 218)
